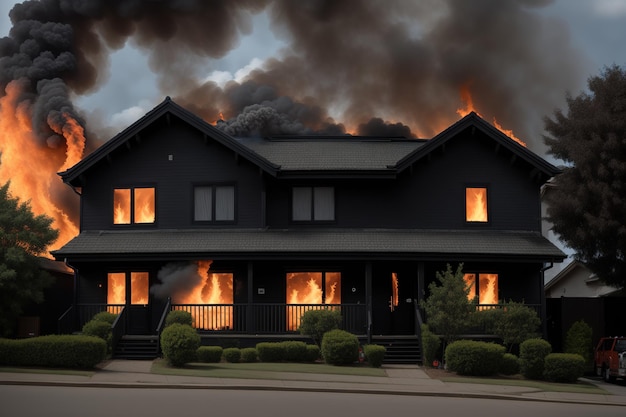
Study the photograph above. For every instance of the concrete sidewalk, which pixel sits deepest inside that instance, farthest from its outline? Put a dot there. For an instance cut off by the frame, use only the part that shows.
(400, 380)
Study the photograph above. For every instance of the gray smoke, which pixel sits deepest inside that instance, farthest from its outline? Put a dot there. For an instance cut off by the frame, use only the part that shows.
(392, 67)
(176, 279)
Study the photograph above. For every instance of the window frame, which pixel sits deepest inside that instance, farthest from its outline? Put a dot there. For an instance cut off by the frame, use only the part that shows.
(132, 189)
(312, 205)
(487, 188)
(476, 286)
(214, 187)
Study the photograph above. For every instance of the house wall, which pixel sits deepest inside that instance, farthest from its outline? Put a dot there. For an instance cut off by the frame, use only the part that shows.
(431, 195)
(147, 163)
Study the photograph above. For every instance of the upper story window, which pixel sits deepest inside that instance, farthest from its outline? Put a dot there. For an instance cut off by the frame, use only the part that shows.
(134, 205)
(476, 205)
(214, 203)
(313, 204)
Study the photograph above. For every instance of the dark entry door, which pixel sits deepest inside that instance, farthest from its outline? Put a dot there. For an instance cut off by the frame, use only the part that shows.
(138, 320)
(393, 303)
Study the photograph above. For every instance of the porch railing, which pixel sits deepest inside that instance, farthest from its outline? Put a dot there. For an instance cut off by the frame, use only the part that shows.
(118, 328)
(75, 317)
(267, 318)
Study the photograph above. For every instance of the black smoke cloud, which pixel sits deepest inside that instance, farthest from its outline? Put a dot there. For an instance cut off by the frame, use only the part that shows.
(390, 67)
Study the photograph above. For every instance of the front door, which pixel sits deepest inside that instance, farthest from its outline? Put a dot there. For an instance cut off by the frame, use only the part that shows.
(393, 303)
(131, 290)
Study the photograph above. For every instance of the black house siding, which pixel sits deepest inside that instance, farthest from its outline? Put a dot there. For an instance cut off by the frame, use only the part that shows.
(194, 160)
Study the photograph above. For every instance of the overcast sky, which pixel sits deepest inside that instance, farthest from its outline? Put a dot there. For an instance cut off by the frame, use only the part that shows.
(596, 27)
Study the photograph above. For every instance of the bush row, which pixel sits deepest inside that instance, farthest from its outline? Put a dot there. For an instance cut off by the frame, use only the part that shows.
(469, 357)
(55, 351)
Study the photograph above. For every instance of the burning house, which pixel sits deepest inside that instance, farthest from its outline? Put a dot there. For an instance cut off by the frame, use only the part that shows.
(247, 233)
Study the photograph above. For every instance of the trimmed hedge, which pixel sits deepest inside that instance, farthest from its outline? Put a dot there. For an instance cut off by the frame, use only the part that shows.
(180, 317)
(315, 323)
(55, 351)
(210, 354)
(563, 367)
(340, 347)
(313, 353)
(232, 355)
(105, 316)
(532, 356)
(431, 343)
(470, 357)
(180, 343)
(98, 328)
(249, 355)
(294, 351)
(374, 354)
(509, 364)
(270, 351)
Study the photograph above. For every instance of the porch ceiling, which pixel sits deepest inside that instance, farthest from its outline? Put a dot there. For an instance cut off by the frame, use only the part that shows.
(248, 244)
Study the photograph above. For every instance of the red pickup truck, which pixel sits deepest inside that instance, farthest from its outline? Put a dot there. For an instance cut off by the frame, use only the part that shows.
(610, 358)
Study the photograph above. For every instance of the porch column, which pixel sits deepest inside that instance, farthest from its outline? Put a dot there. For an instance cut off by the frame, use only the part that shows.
(420, 282)
(250, 326)
(368, 300)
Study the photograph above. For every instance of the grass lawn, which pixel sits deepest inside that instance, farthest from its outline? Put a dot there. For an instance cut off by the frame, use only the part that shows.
(52, 371)
(261, 370)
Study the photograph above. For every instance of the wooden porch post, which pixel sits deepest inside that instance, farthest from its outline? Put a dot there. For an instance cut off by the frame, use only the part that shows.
(420, 282)
(250, 325)
(368, 300)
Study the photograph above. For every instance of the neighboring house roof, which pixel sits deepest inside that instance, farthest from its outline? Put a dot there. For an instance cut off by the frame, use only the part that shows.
(576, 280)
(344, 243)
(51, 265)
(337, 155)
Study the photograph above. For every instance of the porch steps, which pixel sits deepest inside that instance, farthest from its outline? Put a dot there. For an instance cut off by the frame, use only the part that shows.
(137, 347)
(400, 349)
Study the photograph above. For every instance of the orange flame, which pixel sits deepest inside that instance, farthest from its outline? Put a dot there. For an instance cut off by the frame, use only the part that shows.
(466, 97)
(306, 288)
(32, 166)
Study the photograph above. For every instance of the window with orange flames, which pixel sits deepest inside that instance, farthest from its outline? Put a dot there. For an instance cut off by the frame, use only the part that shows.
(484, 286)
(476, 204)
(133, 205)
(116, 287)
(308, 291)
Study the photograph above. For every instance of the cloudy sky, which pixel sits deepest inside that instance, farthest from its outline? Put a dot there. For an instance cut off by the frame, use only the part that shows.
(594, 29)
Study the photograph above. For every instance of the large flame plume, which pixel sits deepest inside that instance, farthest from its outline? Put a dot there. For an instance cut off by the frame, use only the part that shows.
(368, 67)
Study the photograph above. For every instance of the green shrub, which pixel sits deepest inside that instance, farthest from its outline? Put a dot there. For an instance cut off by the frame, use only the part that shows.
(232, 355)
(249, 355)
(470, 357)
(563, 367)
(180, 317)
(509, 364)
(270, 351)
(374, 355)
(57, 351)
(105, 316)
(210, 354)
(315, 323)
(294, 351)
(484, 321)
(101, 329)
(340, 347)
(516, 323)
(312, 353)
(579, 340)
(532, 356)
(180, 343)
(431, 343)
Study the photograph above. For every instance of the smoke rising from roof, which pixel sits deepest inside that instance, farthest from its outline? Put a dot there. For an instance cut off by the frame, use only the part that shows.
(401, 62)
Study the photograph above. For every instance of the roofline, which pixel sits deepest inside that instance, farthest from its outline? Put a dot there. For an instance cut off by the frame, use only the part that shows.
(163, 108)
(474, 120)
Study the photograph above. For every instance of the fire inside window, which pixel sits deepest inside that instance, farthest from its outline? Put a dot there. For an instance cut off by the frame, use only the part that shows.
(133, 205)
(116, 288)
(307, 288)
(484, 286)
(476, 204)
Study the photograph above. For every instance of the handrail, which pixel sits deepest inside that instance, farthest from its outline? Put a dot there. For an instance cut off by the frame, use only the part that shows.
(62, 318)
(118, 328)
(166, 310)
(418, 327)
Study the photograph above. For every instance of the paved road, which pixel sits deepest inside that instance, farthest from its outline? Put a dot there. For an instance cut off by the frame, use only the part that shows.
(53, 401)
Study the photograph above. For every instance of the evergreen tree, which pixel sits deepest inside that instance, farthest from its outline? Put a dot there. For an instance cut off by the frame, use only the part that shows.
(23, 237)
(587, 205)
(448, 309)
